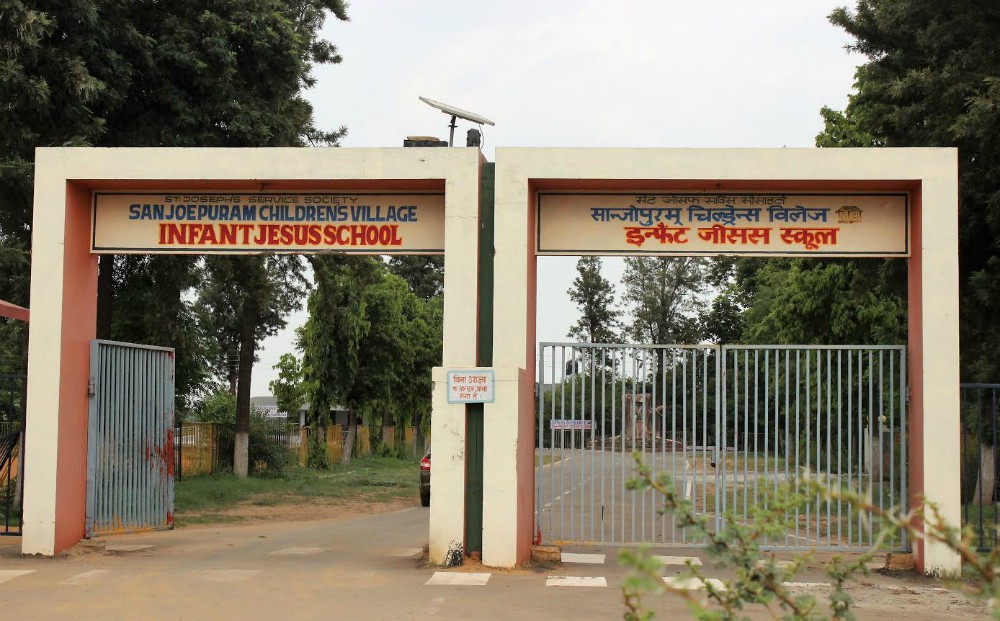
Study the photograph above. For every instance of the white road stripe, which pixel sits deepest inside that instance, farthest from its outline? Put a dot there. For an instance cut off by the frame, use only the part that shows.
(678, 560)
(127, 547)
(449, 578)
(806, 585)
(575, 581)
(692, 584)
(87, 576)
(10, 574)
(228, 575)
(590, 559)
(295, 551)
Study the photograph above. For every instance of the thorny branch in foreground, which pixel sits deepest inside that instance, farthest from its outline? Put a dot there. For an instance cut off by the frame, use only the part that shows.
(759, 580)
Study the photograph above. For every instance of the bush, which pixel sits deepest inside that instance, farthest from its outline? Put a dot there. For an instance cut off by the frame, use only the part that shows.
(268, 448)
(760, 583)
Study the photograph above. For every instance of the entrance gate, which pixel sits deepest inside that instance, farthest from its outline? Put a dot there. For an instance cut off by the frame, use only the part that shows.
(729, 425)
(130, 453)
(12, 406)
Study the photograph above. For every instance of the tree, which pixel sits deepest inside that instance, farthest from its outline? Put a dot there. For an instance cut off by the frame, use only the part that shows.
(153, 307)
(932, 78)
(424, 324)
(595, 297)
(332, 340)
(110, 73)
(666, 297)
(59, 71)
(289, 390)
(802, 301)
(424, 274)
(248, 299)
(369, 345)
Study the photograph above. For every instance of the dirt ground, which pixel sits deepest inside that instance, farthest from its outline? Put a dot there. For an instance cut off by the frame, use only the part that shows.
(249, 513)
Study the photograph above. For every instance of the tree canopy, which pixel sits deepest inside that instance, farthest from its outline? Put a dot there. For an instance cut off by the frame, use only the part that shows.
(932, 78)
(594, 295)
(369, 345)
(194, 73)
(666, 297)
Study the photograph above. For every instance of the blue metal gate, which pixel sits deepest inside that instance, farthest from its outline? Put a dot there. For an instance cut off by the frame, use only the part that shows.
(130, 464)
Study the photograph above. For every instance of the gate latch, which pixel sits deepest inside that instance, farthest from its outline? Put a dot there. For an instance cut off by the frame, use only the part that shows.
(91, 389)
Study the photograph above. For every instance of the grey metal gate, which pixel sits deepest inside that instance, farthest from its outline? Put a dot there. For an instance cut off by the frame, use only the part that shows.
(130, 464)
(727, 424)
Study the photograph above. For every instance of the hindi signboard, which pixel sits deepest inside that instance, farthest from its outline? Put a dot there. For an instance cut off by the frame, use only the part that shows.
(247, 222)
(475, 386)
(732, 223)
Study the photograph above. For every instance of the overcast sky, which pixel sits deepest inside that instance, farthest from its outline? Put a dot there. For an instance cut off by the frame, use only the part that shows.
(636, 73)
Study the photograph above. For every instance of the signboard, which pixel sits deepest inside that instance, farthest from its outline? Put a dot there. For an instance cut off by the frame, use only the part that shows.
(732, 223)
(470, 386)
(573, 425)
(246, 222)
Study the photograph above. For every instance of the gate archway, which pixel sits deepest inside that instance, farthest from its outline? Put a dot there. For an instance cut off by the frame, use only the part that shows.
(927, 178)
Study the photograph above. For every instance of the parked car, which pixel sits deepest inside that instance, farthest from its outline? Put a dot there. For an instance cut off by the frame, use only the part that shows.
(425, 479)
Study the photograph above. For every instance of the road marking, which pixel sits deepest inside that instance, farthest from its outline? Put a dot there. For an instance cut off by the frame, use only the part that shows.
(590, 559)
(127, 547)
(228, 575)
(778, 564)
(678, 560)
(575, 581)
(407, 552)
(86, 576)
(805, 585)
(295, 551)
(10, 574)
(691, 583)
(553, 463)
(450, 578)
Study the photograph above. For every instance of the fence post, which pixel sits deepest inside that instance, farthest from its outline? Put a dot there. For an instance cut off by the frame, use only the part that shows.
(180, 450)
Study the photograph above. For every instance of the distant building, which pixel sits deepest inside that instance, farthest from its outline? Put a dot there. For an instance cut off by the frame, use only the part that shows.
(269, 406)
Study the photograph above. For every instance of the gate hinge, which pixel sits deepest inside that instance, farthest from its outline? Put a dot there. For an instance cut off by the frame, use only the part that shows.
(91, 389)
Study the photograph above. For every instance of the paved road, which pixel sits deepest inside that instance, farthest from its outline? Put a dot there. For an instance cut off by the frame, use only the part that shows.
(582, 497)
(365, 568)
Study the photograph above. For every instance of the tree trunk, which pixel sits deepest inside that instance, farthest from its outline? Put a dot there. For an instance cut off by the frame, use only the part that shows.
(248, 325)
(352, 432)
(105, 295)
(986, 481)
(418, 439)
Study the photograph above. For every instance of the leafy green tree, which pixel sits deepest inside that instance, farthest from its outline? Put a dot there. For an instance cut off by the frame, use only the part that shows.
(424, 274)
(806, 301)
(290, 389)
(57, 74)
(932, 78)
(218, 407)
(423, 330)
(666, 297)
(369, 345)
(594, 296)
(332, 341)
(247, 299)
(111, 73)
(152, 307)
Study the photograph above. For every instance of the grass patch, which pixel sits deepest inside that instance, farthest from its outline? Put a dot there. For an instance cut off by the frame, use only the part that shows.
(205, 499)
